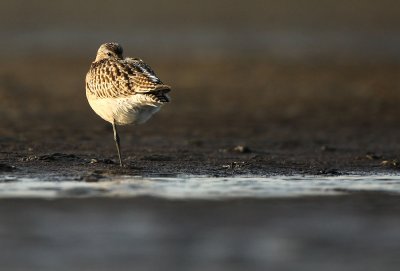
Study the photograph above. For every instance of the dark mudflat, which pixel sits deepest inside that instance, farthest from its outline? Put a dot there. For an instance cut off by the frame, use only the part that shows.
(313, 117)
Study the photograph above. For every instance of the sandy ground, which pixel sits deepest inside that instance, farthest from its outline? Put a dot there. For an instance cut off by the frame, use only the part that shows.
(296, 117)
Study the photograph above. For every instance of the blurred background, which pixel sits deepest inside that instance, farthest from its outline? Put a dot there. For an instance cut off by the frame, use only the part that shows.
(284, 29)
(257, 64)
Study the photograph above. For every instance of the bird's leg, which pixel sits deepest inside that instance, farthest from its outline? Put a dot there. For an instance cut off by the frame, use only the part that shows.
(116, 139)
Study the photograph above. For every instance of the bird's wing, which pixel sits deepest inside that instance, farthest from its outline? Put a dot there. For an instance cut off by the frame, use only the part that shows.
(143, 78)
(120, 78)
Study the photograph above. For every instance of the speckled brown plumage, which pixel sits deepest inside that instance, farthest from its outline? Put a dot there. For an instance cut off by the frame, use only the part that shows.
(116, 77)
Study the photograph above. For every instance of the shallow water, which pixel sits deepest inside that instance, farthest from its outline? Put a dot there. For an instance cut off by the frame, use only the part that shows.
(195, 187)
(100, 232)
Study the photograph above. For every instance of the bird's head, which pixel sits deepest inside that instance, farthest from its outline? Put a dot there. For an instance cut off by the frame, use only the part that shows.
(109, 50)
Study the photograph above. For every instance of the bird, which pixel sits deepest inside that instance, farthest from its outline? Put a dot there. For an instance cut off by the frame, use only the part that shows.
(122, 90)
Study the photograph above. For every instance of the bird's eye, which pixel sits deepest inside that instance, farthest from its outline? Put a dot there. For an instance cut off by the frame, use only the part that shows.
(109, 54)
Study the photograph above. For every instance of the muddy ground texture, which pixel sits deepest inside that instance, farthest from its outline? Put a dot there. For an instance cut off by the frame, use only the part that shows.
(228, 116)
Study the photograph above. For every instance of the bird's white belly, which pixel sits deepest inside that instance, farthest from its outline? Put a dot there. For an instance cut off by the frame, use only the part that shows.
(135, 109)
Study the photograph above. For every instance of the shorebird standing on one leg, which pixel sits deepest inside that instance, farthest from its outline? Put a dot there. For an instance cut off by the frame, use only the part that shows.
(123, 90)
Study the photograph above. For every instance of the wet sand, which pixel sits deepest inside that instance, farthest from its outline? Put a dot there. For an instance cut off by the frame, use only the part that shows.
(312, 117)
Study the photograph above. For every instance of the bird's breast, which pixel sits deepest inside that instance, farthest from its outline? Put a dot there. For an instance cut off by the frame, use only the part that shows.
(135, 109)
